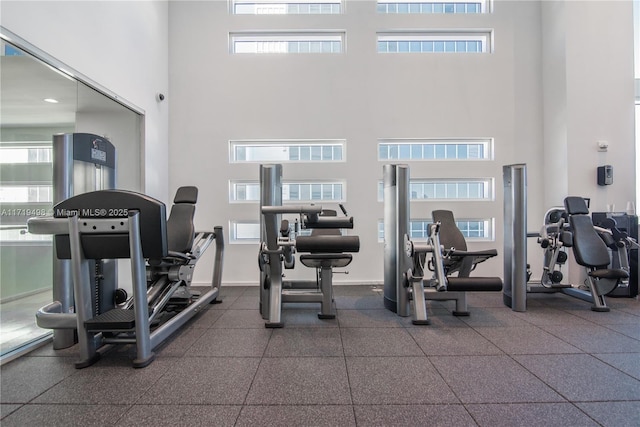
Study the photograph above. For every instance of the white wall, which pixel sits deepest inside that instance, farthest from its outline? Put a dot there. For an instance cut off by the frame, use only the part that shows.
(359, 95)
(122, 46)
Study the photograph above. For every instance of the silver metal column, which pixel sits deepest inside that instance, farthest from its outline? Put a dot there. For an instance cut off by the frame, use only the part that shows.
(515, 236)
(270, 195)
(81, 163)
(396, 226)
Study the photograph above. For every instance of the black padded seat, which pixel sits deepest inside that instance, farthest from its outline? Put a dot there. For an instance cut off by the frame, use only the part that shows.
(589, 249)
(456, 256)
(326, 260)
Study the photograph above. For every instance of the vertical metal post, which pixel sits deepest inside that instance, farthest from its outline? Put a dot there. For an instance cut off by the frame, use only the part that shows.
(515, 236)
(270, 195)
(62, 150)
(396, 226)
(144, 355)
(79, 268)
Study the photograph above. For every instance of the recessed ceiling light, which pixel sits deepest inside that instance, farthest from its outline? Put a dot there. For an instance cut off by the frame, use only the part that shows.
(51, 100)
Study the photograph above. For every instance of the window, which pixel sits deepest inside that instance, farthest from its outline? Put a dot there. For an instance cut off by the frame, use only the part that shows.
(434, 42)
(245, 191)
(420, 6)
(284, 7)
(435, 149)
(472, 229)
(447, 189)
(287, 151)
(299, 42)
(244, 231)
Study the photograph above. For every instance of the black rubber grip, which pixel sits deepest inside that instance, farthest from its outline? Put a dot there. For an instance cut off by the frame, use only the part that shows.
(329, 222)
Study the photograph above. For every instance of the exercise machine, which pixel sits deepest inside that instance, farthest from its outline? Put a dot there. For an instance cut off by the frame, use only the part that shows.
(407, 263)
(564, 227)
(621, 231)
(106, 225)
(323, 249)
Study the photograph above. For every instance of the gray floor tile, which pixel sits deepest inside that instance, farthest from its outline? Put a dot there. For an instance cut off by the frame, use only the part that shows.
(485, 299)
(305, 317)
(353, 302)
(231, 343)
(206, 319)
(239, 319)
(630, 330)
(368, 319)
(454, 341)
(544, 315)
(492, 379)
(224, 301)
(299, 342)
(494, 317)
(246, 302)
(613, 414)
(204, 380)
(396, 380)
(8, 408)
(379, 342)
(65, 415)
(300, 415)
(26, 378)
(613, 317)
(581, 377)
(300, 380)
(110, 381)
(171, 415)
(628, 363)
(594, 339)
(179, 342)
(529, 415)
(413, 415)
(526, 340)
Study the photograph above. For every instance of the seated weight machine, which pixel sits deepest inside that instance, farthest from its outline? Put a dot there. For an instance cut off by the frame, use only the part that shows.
(324, 249)
(406, 286)
(94, 229)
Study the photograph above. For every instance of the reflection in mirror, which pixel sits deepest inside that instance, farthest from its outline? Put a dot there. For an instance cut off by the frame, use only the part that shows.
(37, 102)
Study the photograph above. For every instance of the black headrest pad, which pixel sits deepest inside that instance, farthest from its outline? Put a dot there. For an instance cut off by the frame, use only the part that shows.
(576, 205)
(188, 194)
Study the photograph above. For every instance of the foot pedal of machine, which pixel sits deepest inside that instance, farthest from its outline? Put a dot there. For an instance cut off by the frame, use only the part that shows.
(116, 319)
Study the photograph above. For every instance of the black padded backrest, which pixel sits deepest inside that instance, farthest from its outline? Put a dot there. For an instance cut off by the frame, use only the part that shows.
(589, 249)
(576, 205)
(450, 234)
(186, 194)
(180, 228)
(115, 204)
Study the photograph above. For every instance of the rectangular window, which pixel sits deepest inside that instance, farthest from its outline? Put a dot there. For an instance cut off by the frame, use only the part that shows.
(472, 229)
(446, 189)
(421, 6)
(256, 151)
(244, 231)
(247, 191)
(435, 149)
(286, 7)
(287, 42)
(472, 41)
(21, 155)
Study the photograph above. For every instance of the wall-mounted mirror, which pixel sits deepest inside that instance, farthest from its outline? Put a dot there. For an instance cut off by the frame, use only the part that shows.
(39, 99)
